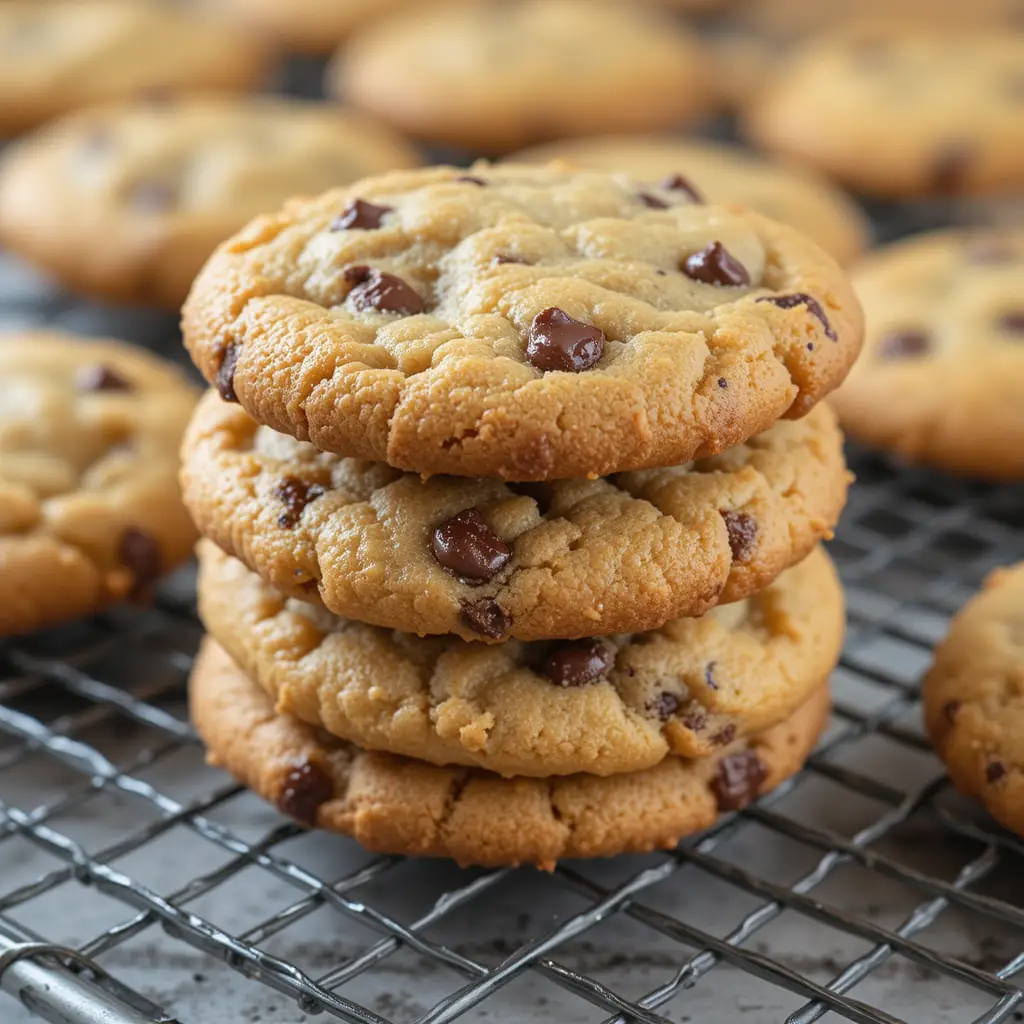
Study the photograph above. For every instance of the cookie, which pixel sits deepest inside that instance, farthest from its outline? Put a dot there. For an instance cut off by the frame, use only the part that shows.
(90, 512)
(901, 113)
(720, 173)
(481, 558)
(941, 380)
(603, 705)
(127, 202)
(68, 54)
(394, 805)
(520, 322)
(494, 77)
(974, 713)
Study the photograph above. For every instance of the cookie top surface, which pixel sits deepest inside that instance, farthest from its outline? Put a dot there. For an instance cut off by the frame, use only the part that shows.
(484, 559)
(900, 113)
(941, 380)
(974, 711)
(67, 54)
(520, 322)
(603, 706)
(395, 805)
(127, 201)
(493, 77)
(89, 506)
(720, 173)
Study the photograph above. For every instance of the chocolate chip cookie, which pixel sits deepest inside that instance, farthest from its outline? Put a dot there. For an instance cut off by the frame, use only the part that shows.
(493, 77)
(974, 712)
(942, 376)
(720, 173)
(127, 202)
(67, 54)
(488, 560)
(395, 805)
(601, 705)
(901, 113)
(520, 322)
(89, 507)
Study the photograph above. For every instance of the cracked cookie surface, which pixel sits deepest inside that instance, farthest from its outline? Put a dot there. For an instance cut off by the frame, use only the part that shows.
(973, 704)
(396, 805)
(127, 201)
(489, 560)
(941, 380)
(520, 322)
(90, 511)
(601, 706)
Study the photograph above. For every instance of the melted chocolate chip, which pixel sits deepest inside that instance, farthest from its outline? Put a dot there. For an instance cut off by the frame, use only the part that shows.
(470, 179)
(580, 663)
(951, 709)
(738, 779)
(665, 705)
(709, 675)
(742, 530)
(994, 771)
(226, 372)
(558, 342)
(486, 618)
(383, 292)
(1012, 322)
(951, 166)
(100, 378)
(905, 344)
(360, 214)
(695, 719)
(725, 736)
(152, 195)
(716, 265)
(140, 552)
(468, 548)
(988, 251)
(803, 299)
(306, 787)
(652, 201)
(295, 494)
(677, 183)
(502, 258)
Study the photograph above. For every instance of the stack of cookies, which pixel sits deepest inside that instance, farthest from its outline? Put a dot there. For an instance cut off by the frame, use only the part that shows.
(512, 482)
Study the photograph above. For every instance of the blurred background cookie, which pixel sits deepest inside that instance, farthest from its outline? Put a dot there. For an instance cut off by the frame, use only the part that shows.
(722, 173)
(495, 77)
(126, 202)
(67, 54)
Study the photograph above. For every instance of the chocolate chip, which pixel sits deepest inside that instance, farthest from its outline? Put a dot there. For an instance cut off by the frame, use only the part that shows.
(486, 618)
(738, 779)
(468, 548)
(140, 552)
(1012, 322)
(306, 787)
(722, 382)
(360, 214)
(905, 343)
(470, 179)
(153, 195)
(951, 166)
(742, 531)
(558, 342)
(677, 183)
(725, 736)
(715, 265)
(988, 251)
(665, 705)
(696, 719)
(994, 771)
(580, 663)
(502, 258)
(652, 201)
(100, 378)
(950, 710)
(226, 372)
(709, 675)
(803, 299)
(386, 293)
(296, 494)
